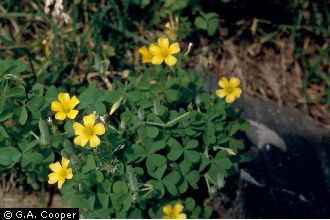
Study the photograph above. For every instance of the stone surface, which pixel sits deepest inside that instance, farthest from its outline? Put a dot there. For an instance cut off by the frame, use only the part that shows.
(293, 183)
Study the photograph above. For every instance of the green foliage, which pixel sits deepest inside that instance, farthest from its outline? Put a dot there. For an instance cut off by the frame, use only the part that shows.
(24, 135)
(165, 139)
(208, 22)
(160, 146)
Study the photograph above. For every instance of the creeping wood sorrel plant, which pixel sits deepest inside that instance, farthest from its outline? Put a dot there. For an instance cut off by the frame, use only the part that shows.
(156, 145)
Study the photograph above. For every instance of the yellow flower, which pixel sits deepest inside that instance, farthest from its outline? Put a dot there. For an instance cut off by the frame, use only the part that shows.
(164, 52)
(88, 132)
(146, 55)
(64, 107)
(229, 89)
(174, 212)
(60, 172)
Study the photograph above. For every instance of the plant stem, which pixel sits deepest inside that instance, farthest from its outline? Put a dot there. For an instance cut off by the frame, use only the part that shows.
(172, 122)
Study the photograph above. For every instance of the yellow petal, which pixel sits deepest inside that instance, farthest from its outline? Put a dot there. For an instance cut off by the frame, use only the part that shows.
(89, 120)
(143, 51)
(170, 60)
(94, 141)
(234, 82)
(178, 208)
(174, 48)
(155, 50)
(146, 55)
(63, 97)
(181, 216)
(74, 101)
(60, 116)
(60, 183)
(72, 114)
(156, 60)
(167, 210)
(55, 167)
(65, 162)
(221, 93)
(99, 129)
(163, 43)
(52, 178)
(237, 92)
(78, 128)
(230, 98)
(56, 106)
(223, 82)
(80, 140)
(69, 174)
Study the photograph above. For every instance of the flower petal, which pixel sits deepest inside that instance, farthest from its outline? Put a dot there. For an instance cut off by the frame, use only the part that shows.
(60, 116)
(155, 50)
(78, 128)
(89, 120)
(178, 208)
(63, 97)
(182, 216)
(94, 141)
(74, 101)
(156, 60)
(99, 129)
(230, 98)
(65, 162)
(80, 140)
(69, 174)
(170, 60)
(72, 114)
(52, 178)
(146, 55)
(234, 82)
(60, 183)
(55, 167)
(163, 43)
(167, 210)
(143, 51)
(56, 106)
(174, 48)
(237, 92)
(223, 82)
(221, 93)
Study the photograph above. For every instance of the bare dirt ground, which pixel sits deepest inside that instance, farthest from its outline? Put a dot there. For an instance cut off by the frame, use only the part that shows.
(13, 196)
(16, 198)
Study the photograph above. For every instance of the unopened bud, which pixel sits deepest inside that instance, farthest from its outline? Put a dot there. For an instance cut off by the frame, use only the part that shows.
(115, 106)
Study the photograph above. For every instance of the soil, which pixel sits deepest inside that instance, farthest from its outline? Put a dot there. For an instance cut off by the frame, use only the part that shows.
(17, 198)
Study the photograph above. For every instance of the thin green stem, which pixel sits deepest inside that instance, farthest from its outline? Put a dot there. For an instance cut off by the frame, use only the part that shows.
(113, 128)
(156, 124)
(172, 122)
